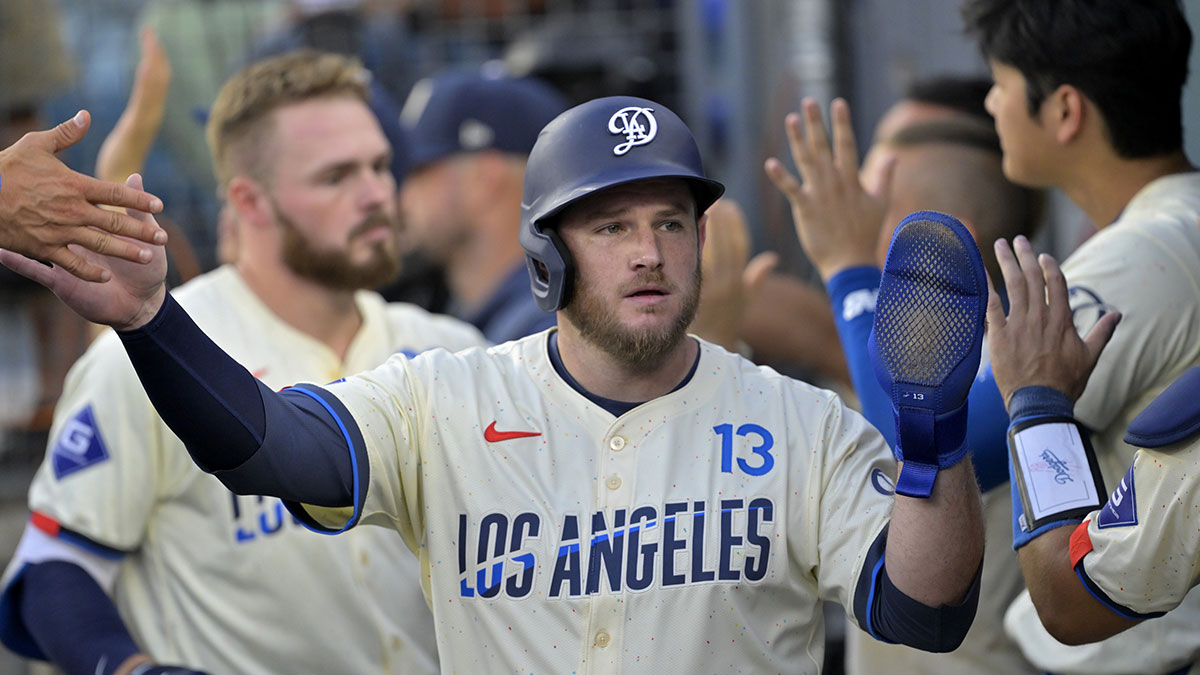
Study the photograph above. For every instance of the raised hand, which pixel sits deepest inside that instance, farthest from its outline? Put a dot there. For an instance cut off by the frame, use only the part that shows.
(49, 212)
(836, 218)
(129, 298)
(1036, 344)
(731, 277)
(124, 150)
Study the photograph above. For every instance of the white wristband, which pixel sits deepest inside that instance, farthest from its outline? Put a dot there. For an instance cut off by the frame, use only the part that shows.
(1056, 471)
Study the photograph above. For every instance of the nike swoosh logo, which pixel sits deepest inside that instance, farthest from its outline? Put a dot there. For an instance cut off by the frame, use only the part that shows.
(492, 436)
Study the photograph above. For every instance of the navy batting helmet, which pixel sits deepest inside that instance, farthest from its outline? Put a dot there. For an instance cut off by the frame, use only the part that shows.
(594, 146)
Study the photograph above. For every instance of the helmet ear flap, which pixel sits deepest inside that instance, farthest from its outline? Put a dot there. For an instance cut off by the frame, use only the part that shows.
(568, 268)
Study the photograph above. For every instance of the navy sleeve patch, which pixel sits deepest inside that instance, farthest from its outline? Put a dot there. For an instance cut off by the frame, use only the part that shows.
(1121, 509)
(79, 445)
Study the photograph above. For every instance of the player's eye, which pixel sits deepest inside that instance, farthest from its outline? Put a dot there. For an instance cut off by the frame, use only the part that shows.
(671, 225)
(609, 228)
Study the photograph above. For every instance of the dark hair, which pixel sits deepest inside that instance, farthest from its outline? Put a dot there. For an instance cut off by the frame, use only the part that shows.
(1129, 57)
(962, 93)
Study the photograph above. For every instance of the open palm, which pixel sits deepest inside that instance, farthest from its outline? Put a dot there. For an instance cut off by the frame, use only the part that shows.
(129, 297)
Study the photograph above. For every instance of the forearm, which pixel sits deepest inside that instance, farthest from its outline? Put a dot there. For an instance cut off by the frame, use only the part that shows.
(73, 621)
(255, 440)
(1066, 608)
(935, 545)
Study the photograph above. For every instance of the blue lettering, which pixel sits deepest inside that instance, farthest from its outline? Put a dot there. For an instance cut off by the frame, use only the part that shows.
(728, 539)
(566, 564)
(698, 572)
(524, 525)
(670, 544)
(758, 507)
(640, 559)
(605, 554)
(497, 523)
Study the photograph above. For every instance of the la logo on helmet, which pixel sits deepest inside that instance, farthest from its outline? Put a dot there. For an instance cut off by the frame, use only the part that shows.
(637, 125)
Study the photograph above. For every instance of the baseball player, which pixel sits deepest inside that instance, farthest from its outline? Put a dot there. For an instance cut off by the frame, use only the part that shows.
(134, 555)
(1137, 556)
(471, 133)
(613, 495)
(950, 164)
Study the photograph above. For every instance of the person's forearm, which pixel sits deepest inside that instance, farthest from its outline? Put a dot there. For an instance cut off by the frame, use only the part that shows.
(935, 545)
(255, 440)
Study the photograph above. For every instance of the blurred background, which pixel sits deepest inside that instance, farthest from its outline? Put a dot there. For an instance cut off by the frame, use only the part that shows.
(731, 68)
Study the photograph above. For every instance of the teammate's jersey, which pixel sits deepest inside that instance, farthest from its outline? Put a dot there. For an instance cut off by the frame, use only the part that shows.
(697, 532)
(234, 584)
(1142, 549)
(1145, 265)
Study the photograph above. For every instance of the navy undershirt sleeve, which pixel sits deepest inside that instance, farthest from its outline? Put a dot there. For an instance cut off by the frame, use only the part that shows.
(72, 620)
(852, 293)
(256, 441)
(889, 615)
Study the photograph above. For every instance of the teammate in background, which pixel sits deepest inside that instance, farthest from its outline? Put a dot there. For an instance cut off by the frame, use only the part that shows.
(574, 496)
(133, 555)
(910, 126)
(471, 134)
(37, 190)
(1101, 120)
(1096, 125)
(1137, 556)
(951, 164)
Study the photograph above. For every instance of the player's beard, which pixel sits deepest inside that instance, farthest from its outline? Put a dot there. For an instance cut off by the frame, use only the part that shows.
(634, 347)
(333, 268)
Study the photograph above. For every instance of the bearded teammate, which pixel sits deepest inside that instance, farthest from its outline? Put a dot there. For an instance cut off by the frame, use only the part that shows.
(610, 494)
(200, 576)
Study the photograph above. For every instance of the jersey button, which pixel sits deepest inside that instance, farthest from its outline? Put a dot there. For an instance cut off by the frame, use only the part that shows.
(613, 482)
(617, 443)
(602, 639)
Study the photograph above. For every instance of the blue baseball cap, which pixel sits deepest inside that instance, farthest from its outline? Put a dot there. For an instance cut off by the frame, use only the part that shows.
(468, 110)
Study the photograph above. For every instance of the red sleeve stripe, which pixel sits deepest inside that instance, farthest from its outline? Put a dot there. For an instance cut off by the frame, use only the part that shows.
(1081, 542)
(45, 523)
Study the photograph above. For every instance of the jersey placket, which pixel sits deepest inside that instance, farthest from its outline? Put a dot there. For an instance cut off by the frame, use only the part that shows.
(606, 611)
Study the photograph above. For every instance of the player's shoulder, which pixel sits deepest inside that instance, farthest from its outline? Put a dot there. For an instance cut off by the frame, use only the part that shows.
(1173, 417)
(433, 329)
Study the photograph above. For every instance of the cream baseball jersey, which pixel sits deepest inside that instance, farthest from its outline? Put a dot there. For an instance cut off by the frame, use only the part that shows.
(1145, 265)
(234, 584)
(1142, 549)
(697, 532)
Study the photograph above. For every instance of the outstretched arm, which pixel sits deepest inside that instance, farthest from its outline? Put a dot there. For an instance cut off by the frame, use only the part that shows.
(212, 403)
(49, 212)
(1041, 367)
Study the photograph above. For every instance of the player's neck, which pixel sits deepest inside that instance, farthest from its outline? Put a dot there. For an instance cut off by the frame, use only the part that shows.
(1106, 185)
(608, 376)
(328, 316)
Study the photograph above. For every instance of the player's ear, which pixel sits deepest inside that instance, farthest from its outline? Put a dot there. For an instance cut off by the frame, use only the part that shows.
(249, 201)
(702, 229)
(1068, 109)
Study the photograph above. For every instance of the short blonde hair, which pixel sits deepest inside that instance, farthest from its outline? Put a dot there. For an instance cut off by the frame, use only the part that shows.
(240, 124)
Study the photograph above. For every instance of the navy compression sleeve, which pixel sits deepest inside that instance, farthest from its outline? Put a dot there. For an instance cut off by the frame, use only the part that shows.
(852, 293)
(72, 620)
(255, 440)
(889, 615)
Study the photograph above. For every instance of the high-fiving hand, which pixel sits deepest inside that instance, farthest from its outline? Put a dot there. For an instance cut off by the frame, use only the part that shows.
(1036, 343)
(129, 298)
(837, 220)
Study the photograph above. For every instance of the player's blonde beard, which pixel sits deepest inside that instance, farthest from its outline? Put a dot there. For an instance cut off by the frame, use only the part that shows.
(597, 322)
(333, 268)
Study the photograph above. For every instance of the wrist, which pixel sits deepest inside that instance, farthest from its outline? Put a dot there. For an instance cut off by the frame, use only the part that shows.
(830, 268)
(149, 310)
(1039, 401)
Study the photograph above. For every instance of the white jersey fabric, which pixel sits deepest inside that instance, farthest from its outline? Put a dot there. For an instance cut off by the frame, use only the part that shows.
(1146, 265)
(226, 583)
(697, 532)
